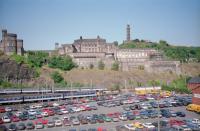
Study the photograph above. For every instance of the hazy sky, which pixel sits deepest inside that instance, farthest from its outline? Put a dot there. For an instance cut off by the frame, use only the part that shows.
(41, 23)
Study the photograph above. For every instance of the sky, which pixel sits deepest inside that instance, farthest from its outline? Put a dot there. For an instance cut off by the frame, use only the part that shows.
(41, 23)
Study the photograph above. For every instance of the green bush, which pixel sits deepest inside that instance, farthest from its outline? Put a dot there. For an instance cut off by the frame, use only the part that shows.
(57, 77)
(63, 63)
(115, 66)
(18, 58)
(37, 59)
(178, 85)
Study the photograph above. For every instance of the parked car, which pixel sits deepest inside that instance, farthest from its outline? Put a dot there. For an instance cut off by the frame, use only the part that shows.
(66, 122)
(31, 117)
(58, 123)
(123, 117)
(50, 124)
(2, 109)
(6, 119)
(130, 126)
(1, 121)
(148, 125)
(15, 119)
(30, 126)
(41, 120)
(21, 126)
(39, 125)
(12, 127)
(180, 114)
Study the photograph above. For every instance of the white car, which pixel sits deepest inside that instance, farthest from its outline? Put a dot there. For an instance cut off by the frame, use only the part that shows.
(150, 98)
(38, 105)
(64, 111)
(129, 127)
(6, 119)
(32, 107)
(76, 109)
(148, 125)
(45, 114)
(58, 123)
(55, 104)
(123, 117)
(196, 121)
(18, 113)
(8, 109)
(31, 112)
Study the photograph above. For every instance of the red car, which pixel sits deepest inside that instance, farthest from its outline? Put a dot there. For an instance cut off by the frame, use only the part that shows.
(2, 110)
(136, 113)
(15, 119)
(117, 114)
(41, 120)
(176, 122)
(49, 111)
(1, 121)
(110, 114)
(88, 108)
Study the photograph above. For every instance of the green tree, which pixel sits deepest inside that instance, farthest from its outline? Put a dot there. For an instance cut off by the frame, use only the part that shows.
(63, 63)
(37, 58)
(115, 66)
(57, 77)
(101, 65)
(18, 58)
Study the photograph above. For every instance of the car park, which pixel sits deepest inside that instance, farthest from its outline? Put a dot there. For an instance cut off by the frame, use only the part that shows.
(112, 114)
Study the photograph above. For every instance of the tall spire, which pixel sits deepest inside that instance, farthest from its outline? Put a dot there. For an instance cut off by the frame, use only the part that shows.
(128, 33)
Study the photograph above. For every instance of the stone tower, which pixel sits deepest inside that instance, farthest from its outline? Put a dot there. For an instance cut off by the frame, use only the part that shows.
(56, 46)
(128, 33)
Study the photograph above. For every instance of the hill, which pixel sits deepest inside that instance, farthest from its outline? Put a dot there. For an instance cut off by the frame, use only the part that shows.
(110, 78)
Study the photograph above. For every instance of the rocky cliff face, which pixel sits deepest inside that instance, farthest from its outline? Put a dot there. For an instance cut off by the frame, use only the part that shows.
(12, 71)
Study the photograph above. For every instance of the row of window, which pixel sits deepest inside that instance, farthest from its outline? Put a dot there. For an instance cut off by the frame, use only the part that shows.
(132, 55)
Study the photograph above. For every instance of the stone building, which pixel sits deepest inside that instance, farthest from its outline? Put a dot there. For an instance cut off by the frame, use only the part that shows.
(90, 51)
(10, 44)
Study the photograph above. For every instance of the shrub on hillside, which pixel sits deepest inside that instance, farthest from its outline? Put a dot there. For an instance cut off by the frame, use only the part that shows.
(115, 66)
(57, 77)
(63, 63)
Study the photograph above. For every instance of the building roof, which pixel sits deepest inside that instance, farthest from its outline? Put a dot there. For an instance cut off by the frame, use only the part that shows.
(194, 80)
